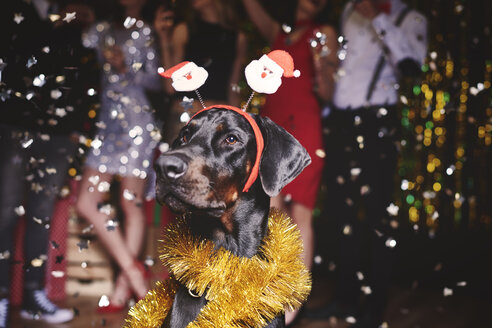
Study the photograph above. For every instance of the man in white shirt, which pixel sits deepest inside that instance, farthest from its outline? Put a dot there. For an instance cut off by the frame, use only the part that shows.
(383, 40)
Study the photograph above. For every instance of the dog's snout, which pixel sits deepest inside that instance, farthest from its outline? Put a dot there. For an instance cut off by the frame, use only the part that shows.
(171, 166)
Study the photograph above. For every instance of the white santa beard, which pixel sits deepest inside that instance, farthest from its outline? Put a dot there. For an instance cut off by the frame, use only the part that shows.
(198, 78)
(268, 85)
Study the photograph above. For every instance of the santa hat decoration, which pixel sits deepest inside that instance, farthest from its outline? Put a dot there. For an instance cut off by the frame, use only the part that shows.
(186, 76)
(265, 74)
(283, 60)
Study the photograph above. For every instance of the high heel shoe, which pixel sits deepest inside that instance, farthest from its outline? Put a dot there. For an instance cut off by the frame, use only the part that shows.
(136, 275)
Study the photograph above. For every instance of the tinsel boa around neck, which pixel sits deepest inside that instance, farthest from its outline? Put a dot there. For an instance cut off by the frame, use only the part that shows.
(241, 292)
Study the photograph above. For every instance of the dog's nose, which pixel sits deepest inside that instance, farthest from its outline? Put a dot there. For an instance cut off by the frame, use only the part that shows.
(171, 166)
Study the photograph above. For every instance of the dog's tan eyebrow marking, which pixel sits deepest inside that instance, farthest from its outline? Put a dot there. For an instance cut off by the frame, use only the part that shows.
(219, 127)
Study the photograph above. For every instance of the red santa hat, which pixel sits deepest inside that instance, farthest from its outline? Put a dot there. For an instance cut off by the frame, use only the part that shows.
(282, 62)
(181, 67)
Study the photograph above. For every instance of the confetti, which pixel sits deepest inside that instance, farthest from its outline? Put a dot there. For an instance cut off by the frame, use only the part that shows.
(351, 320)
(59, 259)
(111, 225)
(392, 209)
(390, 242)
(58, 274)
(31, 62)
(103, 301)
(103, 186)
(18, 18)
(129, 22)
(128, 195)
(19, 210)
(69, 17)
(83, 244)
(447, 291)
(366, 290)
(4, 255)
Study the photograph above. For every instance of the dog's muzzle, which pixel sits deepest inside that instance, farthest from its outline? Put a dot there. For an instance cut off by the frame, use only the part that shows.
(171, 166)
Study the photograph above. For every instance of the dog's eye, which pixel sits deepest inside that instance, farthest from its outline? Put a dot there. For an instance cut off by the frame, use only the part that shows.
(231, 140)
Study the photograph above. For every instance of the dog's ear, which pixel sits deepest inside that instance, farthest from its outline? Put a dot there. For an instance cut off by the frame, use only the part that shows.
(283, 157)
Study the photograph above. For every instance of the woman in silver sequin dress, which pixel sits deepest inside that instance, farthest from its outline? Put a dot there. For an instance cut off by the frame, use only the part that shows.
(124, 143)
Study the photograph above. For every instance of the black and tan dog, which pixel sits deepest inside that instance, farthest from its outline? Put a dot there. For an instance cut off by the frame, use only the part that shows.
(203, 175)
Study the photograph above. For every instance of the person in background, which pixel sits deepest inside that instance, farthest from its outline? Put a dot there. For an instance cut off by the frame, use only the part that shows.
(210, 39)
(124, 144)
(296, 104)
(384, 41)
(44, 104)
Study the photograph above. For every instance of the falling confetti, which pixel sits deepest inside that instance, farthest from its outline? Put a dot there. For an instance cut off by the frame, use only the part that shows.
(18, 18)
(20, 210)
(392, 209)
(103, 301)
(447, 291)
(83, 244)
(128, 195)
(69, 17)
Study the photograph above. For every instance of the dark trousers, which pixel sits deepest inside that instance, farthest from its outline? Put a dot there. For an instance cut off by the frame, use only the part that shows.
(31, 175)
(360, 171)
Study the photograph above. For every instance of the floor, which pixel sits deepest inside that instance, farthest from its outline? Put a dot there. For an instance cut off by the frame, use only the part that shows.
(408, 308)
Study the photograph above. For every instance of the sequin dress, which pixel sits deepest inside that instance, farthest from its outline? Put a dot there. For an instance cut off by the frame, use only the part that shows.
(295, 107)
(127, 131)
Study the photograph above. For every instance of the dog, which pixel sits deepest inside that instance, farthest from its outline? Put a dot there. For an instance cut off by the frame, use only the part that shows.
(203, 175)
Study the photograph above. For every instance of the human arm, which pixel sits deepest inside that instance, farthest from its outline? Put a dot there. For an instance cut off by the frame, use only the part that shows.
(164, 29)
(233, 96)
(268, 27)
(179, 39)
(325, 64)
(406, 43)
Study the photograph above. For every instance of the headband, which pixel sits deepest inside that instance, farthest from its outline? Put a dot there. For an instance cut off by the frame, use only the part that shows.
(258, 136)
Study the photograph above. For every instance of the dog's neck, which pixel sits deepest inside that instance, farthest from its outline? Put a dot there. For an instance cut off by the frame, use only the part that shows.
(241, 228)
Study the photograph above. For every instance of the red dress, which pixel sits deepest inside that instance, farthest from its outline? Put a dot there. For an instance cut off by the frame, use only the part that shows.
(295, 107)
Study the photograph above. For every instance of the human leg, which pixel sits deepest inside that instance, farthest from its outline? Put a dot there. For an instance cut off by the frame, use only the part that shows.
(49, 171)
(87, 206)
(131, 200)
(12, 186)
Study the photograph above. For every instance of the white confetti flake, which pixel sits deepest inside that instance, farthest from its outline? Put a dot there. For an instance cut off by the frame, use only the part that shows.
(318, 259)
(129, 22)
(19, 210)
(320, 153)
(185, 117)
(58, 274)
(366, 290)
(69, 17)
(392, 209)
(347, 230)
(128, 195)
(461, 284)
(18, 18)
(355, 171)
(103, 301)
(94, 179)
(103, 186)
(351, 320)
(360, 275)
(390, 242)
(447, 292)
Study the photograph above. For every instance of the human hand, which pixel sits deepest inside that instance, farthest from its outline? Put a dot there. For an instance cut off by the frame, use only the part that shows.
(164, 23)
(366, 8)
(114, 56)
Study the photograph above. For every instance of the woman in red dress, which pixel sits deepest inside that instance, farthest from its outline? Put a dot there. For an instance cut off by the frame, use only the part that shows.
(295, 105)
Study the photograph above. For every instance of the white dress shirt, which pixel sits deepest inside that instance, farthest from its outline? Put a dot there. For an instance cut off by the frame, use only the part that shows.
(365, 40)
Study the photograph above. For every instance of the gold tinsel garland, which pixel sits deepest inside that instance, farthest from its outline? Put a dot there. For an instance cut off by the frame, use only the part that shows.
(241, 292)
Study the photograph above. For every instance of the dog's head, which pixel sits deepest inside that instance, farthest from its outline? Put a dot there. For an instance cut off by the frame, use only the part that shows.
(209, 163)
